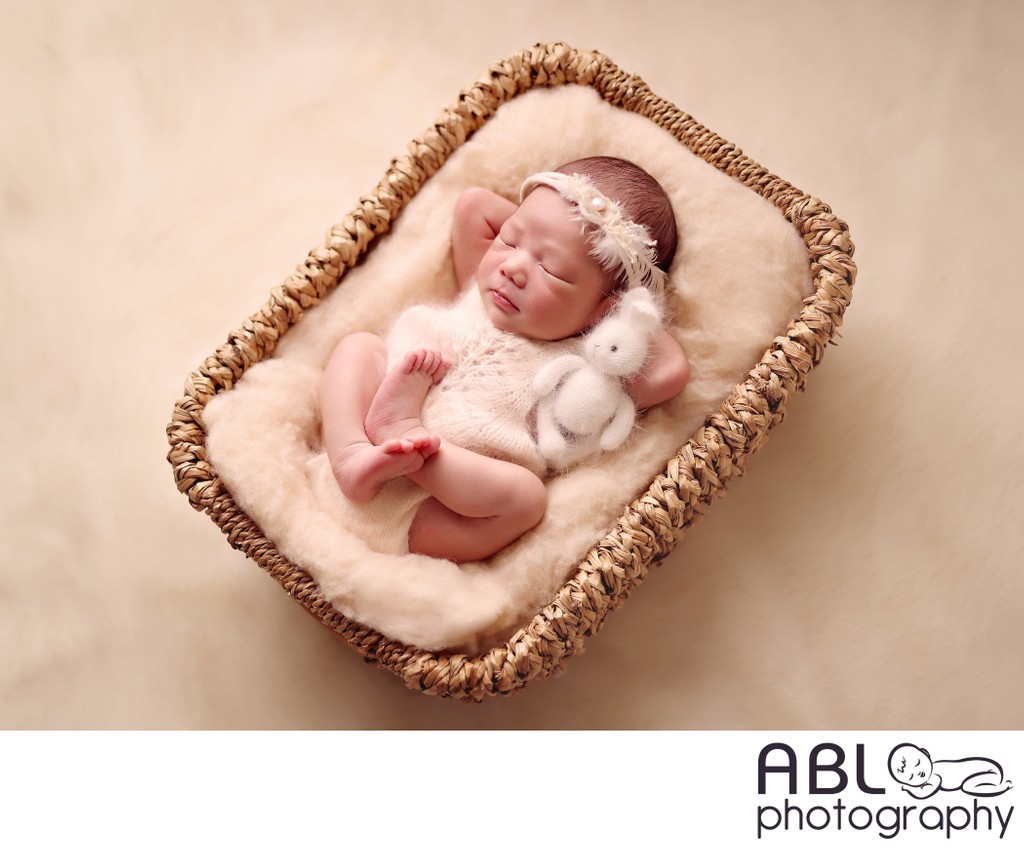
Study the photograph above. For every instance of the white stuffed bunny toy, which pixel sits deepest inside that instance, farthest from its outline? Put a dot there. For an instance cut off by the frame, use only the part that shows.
(583, 407)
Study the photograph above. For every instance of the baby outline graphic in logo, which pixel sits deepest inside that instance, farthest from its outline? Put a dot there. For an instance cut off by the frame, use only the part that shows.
(922, 777)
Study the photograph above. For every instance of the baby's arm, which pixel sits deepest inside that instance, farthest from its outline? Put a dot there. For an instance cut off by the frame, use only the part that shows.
(664, 375)
(926, 790)
(479, 214)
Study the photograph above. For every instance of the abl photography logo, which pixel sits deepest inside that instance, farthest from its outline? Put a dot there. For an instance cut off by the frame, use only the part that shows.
(908, 790)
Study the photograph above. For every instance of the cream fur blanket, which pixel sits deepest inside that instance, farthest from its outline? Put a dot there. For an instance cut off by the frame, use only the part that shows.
(738, 279)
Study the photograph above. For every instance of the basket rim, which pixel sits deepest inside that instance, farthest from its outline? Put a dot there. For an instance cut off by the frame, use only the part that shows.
(652, 524)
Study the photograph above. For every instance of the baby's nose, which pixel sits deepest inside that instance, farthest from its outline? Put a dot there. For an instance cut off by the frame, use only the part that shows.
(514, 269)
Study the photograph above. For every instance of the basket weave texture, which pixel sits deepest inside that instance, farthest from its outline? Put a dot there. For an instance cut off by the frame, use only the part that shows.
(650, 526)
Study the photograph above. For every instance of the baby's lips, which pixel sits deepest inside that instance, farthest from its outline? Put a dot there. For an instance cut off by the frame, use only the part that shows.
(503, 301)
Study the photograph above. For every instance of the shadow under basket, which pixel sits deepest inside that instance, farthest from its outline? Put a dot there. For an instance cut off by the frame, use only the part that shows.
(649, 525)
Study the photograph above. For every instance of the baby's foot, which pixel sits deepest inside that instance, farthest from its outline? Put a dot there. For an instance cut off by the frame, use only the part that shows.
(363, 468)
(393, 422)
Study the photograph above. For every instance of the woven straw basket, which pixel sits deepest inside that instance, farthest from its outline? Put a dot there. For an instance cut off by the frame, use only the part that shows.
(648, 527)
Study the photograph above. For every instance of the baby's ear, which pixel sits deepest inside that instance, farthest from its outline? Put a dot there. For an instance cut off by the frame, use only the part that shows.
(602, 309)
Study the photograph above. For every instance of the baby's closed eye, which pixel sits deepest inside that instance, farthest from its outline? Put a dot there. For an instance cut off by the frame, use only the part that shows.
(551, 273)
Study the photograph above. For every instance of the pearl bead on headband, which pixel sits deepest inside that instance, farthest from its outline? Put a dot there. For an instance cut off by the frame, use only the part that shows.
(618, 242)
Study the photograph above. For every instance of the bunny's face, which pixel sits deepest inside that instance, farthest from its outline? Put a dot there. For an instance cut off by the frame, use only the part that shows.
(616, 347)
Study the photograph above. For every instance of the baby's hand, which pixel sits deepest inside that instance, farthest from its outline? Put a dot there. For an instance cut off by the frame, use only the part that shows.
(479, 214)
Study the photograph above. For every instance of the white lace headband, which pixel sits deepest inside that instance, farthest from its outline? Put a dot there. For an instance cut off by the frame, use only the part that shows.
(618, 241)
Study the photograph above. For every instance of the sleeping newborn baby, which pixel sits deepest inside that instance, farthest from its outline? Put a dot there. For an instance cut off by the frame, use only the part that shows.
(534, 277)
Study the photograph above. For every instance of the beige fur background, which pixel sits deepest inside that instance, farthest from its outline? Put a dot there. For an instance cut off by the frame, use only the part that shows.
(163, 165)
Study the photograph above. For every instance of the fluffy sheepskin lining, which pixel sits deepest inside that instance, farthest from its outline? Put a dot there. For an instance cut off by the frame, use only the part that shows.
(739, 277)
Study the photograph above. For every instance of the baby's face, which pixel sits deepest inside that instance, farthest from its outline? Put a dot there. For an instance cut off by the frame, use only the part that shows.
(910, 765)
(538, 278)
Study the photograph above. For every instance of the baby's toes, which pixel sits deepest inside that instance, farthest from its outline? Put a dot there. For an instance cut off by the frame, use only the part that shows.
(440, 366)
(413, 361)
(398, 446)
(422, 360)
(429, 445)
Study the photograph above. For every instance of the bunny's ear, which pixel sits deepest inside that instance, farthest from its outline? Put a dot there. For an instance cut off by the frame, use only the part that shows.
(635, 296)
(638, 306)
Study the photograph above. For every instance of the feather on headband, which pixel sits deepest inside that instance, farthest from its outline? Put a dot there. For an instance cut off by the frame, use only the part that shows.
(618, 242)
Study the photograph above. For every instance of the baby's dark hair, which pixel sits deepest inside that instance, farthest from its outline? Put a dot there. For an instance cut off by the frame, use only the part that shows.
(638, 193)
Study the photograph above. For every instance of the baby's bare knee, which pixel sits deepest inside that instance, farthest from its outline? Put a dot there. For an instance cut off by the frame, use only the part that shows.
(360, 343)
(530, 501)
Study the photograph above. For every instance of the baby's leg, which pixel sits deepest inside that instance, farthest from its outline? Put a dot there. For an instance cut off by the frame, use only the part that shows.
(393, 420)
(479, 505)
(354, 374)
(989, 782)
